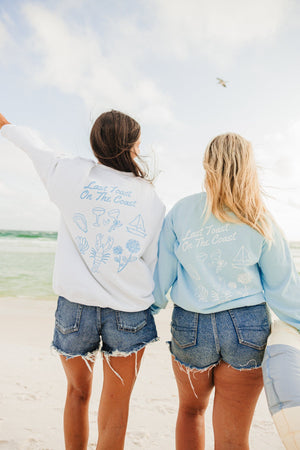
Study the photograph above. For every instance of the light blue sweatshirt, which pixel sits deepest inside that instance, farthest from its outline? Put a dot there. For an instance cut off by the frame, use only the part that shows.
(212, 266)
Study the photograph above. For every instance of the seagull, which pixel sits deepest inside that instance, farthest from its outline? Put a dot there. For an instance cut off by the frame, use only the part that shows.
(222, 82)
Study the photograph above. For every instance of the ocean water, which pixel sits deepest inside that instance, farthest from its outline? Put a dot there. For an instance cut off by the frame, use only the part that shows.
(27, 260)
(26, 263)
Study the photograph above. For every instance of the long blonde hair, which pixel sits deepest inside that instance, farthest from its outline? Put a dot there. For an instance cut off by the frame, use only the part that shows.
(232, 185)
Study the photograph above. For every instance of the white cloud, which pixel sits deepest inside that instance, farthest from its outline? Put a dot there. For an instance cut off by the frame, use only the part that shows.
(4, 36)
(279, 157)
(107, 70)
(217, 27)
(280, 154)
(71, 58)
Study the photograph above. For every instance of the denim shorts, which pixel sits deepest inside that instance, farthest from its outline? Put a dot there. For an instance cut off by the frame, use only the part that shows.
(236, 336)
(82, 330)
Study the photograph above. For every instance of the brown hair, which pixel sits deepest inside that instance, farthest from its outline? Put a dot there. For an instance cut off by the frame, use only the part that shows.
(112, 137)
(232, 185)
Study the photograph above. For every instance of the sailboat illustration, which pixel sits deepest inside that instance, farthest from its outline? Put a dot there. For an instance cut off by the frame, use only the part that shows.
(137, 227)
(242, 257)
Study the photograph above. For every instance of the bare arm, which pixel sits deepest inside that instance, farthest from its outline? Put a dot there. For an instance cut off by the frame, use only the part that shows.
(3, 121)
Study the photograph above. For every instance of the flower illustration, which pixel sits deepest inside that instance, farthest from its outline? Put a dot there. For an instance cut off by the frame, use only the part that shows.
(244, 278)
(118, 250)
(133, 246)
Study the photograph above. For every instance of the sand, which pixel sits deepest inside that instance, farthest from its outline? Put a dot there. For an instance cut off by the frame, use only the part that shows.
(33, 389)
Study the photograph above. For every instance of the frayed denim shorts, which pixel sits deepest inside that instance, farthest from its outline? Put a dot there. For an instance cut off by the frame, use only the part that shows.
(236, 336)
(82, 330)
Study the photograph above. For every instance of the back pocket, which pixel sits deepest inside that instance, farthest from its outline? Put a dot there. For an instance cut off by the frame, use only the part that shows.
(67, 316)
(131, 322)
(184, 327)
(252, 325)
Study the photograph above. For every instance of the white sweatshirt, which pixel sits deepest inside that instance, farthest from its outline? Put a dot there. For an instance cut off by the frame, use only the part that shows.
(110, 225)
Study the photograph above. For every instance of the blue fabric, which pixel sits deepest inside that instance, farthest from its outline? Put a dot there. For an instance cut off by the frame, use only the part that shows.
(79, 329)
(237, 336)
(281, 372)
(212, 266)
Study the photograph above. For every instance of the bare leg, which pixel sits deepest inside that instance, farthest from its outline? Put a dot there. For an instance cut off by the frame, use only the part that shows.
(115, 397)
(76, 426)
(190, 426)
(236, 395)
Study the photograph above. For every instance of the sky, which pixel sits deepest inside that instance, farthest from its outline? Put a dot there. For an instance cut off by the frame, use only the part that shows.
(64, 62)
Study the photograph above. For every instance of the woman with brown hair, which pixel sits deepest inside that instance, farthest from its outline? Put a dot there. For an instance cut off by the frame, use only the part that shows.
(223, 257)
(106, 253)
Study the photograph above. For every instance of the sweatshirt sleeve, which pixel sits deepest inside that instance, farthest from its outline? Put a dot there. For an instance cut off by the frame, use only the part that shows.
(150, 254)
(280, 280)
(43, 158)
(165, 273)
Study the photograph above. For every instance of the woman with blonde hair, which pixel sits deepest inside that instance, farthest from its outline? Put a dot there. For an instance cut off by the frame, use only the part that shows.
(224, 258)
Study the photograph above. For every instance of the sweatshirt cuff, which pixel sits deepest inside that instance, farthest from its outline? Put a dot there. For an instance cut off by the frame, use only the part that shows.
(155, 309)
(6, 128)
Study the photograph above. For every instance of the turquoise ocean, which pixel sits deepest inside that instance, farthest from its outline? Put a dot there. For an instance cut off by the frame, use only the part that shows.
(26, 263)
(27, 260)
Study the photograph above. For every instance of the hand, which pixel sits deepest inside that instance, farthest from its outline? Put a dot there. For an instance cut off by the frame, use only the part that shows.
(3, 121)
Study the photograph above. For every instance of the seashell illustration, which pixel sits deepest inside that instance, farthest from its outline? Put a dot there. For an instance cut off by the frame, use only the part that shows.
(201, 293)
(82, 244)
(80, 221)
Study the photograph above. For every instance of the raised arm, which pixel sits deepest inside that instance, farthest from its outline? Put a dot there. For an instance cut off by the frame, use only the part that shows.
(43, 158)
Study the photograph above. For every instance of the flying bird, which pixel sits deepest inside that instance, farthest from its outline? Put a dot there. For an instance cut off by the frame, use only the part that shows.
(222, 82)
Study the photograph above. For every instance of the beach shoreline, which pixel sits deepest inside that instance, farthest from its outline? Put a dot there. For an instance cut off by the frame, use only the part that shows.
(33, 388)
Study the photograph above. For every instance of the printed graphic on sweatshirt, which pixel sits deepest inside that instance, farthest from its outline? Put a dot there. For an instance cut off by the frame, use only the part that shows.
(201, 256)
(201, 294)
(242, 258)
(98, 212)
(111, 219)
(82, 244)
(219, 297)
(109, 214)
(114, 221)
(81, 222)
(217, 261)
(137, 226)
(207, 236)
(244, 278)
(101, 252)
(125, 256)
(223, 291)
(107, 194)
